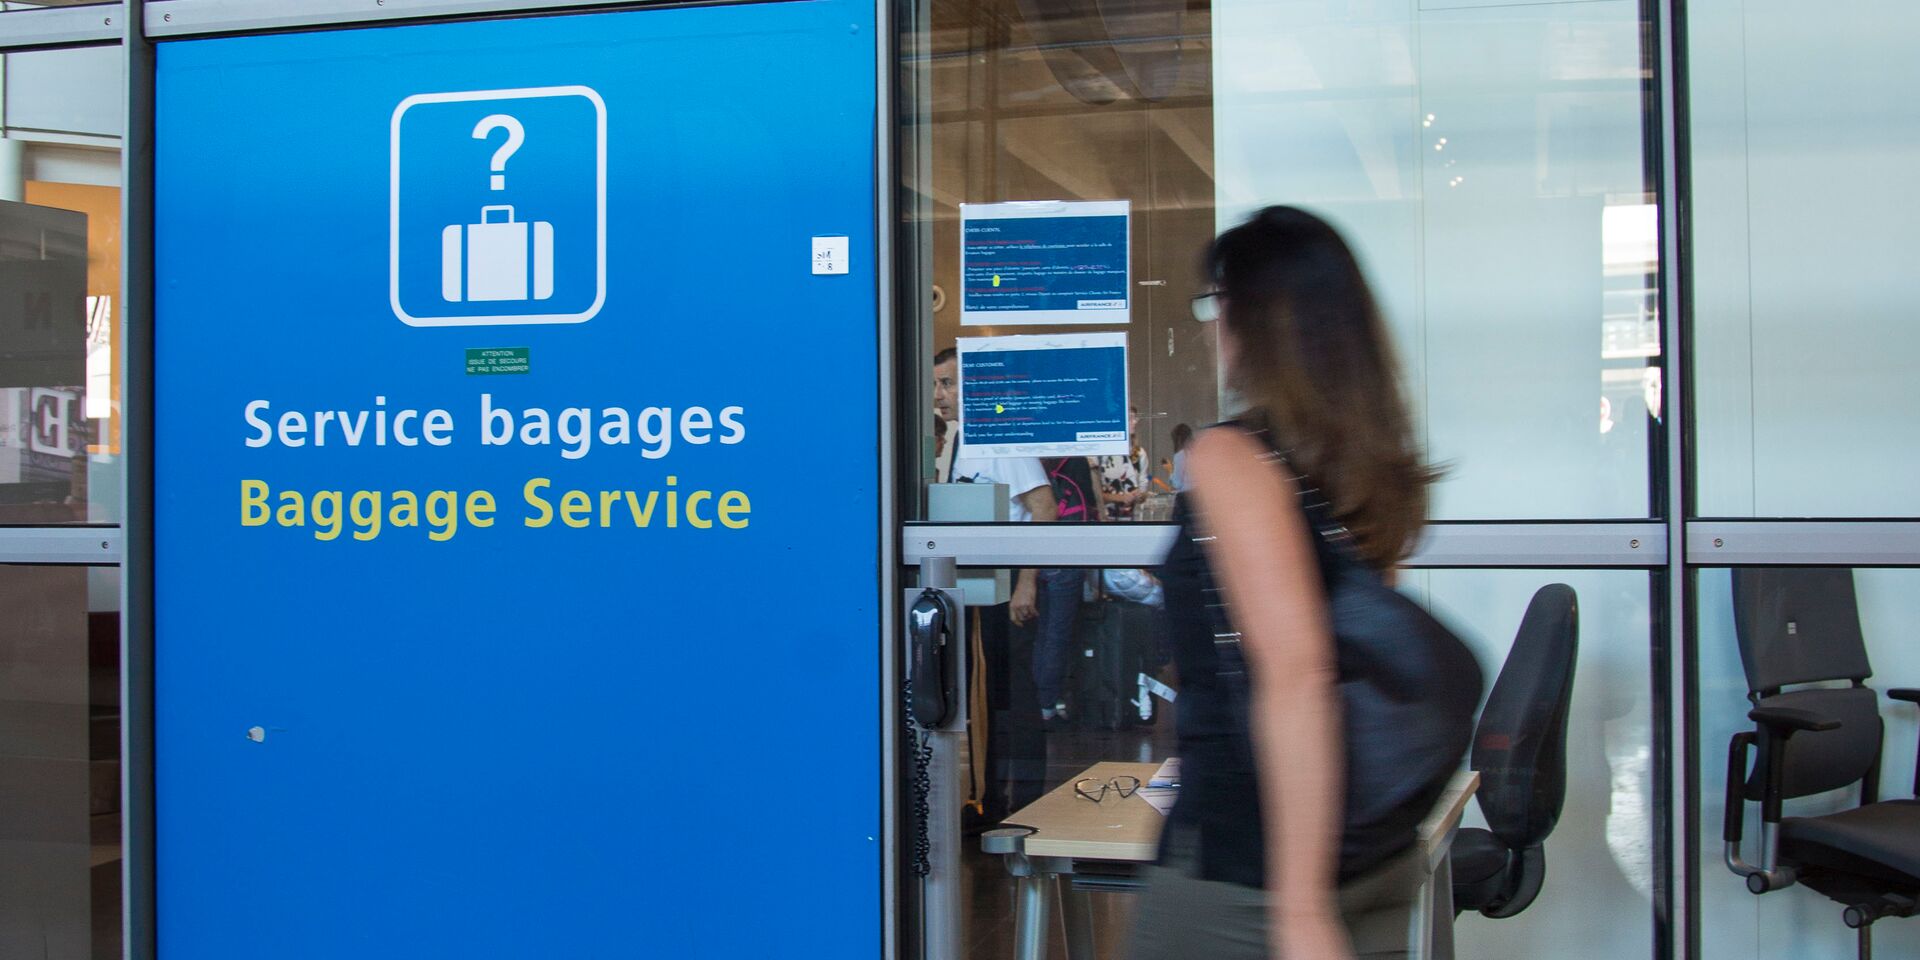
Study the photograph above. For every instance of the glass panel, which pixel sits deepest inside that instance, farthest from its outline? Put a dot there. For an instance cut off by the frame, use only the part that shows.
(1803, 204)
(1487, 160)
(1597, 898)
(60, 286)
(1795, 609)
(60, 762)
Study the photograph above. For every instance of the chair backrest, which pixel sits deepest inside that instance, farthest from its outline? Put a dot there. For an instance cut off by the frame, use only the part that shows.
(1797, 625)
(1801, 625)
(1520, 746)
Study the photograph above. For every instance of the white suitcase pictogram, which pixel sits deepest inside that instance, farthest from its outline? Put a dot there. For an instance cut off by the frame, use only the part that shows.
(497, 259)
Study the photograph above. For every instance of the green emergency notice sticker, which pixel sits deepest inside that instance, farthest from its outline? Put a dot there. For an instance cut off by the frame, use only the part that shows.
(491, 360)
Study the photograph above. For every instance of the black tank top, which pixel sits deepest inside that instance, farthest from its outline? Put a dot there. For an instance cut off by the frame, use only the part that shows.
(1408, 690)
(1219, 796)
(1219, 800)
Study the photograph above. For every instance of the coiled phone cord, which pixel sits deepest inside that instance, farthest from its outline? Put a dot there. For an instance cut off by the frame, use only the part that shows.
(920, 748)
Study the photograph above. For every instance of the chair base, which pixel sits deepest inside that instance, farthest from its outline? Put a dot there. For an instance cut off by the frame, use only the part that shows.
(1860, 916)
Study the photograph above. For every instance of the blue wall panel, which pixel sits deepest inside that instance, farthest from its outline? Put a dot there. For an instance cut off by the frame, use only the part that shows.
(521, 741)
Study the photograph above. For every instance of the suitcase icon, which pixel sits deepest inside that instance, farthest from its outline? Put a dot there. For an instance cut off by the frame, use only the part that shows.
(497, 259)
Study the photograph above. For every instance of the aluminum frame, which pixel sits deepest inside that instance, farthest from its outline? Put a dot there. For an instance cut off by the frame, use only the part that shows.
(1676, 752)
(1848, 543)
(1559, 546)
(139, 912)
(80, 545)
(885, 130)
(185, 18)
(46, 27)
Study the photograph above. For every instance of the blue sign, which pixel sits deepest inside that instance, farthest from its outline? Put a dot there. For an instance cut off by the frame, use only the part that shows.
(1044, 262)
(1044, 396)
(491, 620)
(475, 244)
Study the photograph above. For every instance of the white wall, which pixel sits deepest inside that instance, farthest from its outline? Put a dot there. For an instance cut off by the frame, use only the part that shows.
(1806, 142)
(1487, 253)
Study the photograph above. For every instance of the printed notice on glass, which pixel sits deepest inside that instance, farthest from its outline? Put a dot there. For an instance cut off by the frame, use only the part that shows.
(1045, 262)
(1044, 396)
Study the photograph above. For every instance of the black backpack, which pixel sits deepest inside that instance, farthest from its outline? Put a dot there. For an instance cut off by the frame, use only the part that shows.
(1071, 489)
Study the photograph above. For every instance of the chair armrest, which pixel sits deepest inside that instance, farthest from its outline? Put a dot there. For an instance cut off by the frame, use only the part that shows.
(1785, 721)
(1734, 825)
(1909, 695)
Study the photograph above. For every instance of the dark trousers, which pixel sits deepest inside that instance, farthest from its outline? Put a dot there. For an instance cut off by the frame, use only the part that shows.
(1059, 595)
(1016, 741)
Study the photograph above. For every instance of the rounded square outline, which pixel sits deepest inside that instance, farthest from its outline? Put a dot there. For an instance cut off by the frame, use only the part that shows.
(600, 207)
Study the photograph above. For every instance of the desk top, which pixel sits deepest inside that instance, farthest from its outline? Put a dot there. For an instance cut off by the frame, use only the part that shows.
(1127, 829)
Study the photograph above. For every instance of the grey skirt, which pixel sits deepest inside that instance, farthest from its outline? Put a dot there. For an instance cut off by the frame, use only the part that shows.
(1182, 917)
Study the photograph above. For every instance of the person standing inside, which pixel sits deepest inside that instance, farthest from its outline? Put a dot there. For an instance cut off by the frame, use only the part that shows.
(1123, 479)
(1076, 500)
(1182, 435)
(1260, 857)
(1016, 758)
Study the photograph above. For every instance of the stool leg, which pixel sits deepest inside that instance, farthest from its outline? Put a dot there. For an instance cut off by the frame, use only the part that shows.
(1866, 942)
(1030, 920)
(1076, 909)
(1440, 913)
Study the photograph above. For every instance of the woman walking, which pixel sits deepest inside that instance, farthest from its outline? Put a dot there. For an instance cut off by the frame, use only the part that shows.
(1317, 490)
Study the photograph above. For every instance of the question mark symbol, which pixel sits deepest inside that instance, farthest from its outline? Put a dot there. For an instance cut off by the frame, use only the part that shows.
(516, 135)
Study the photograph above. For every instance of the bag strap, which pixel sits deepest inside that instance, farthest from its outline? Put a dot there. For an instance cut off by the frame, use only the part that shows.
(1313, 501)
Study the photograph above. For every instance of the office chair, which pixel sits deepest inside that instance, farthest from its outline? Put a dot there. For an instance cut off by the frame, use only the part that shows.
(1520, 752)
(1800, 625)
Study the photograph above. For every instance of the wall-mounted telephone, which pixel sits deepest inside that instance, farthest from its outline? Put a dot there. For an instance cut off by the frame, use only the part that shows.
(934, 652)
(932, 694)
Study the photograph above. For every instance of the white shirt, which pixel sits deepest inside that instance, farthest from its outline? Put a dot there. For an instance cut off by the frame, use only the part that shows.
(1020, 474)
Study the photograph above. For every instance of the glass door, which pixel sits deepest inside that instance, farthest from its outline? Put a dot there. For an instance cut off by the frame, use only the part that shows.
(1493, 166)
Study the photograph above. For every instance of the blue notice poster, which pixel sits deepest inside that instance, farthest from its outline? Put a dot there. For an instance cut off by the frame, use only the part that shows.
(1044, 262)
(1044, 396)
(478, 632)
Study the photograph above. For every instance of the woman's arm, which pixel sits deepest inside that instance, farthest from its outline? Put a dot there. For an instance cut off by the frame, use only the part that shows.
(1264, 562)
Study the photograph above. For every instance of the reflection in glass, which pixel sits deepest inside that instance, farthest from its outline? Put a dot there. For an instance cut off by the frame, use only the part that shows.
(60, 763)
(60, 286)
(44, 319)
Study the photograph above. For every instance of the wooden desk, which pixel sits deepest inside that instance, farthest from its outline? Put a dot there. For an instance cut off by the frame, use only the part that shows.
(1063, 835)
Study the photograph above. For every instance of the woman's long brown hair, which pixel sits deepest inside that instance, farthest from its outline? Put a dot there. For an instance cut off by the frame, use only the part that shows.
(1315, 366)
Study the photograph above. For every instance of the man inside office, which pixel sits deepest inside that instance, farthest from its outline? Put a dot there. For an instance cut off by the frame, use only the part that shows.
(1016, 748)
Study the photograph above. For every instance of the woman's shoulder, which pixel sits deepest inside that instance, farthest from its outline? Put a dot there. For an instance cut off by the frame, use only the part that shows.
(1230, 437)
(1234, 453)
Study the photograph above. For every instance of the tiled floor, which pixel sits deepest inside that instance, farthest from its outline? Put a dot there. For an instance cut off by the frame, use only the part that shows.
(988, 890)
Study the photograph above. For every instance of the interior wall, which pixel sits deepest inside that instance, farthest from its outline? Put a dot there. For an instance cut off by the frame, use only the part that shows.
(1805, 138)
